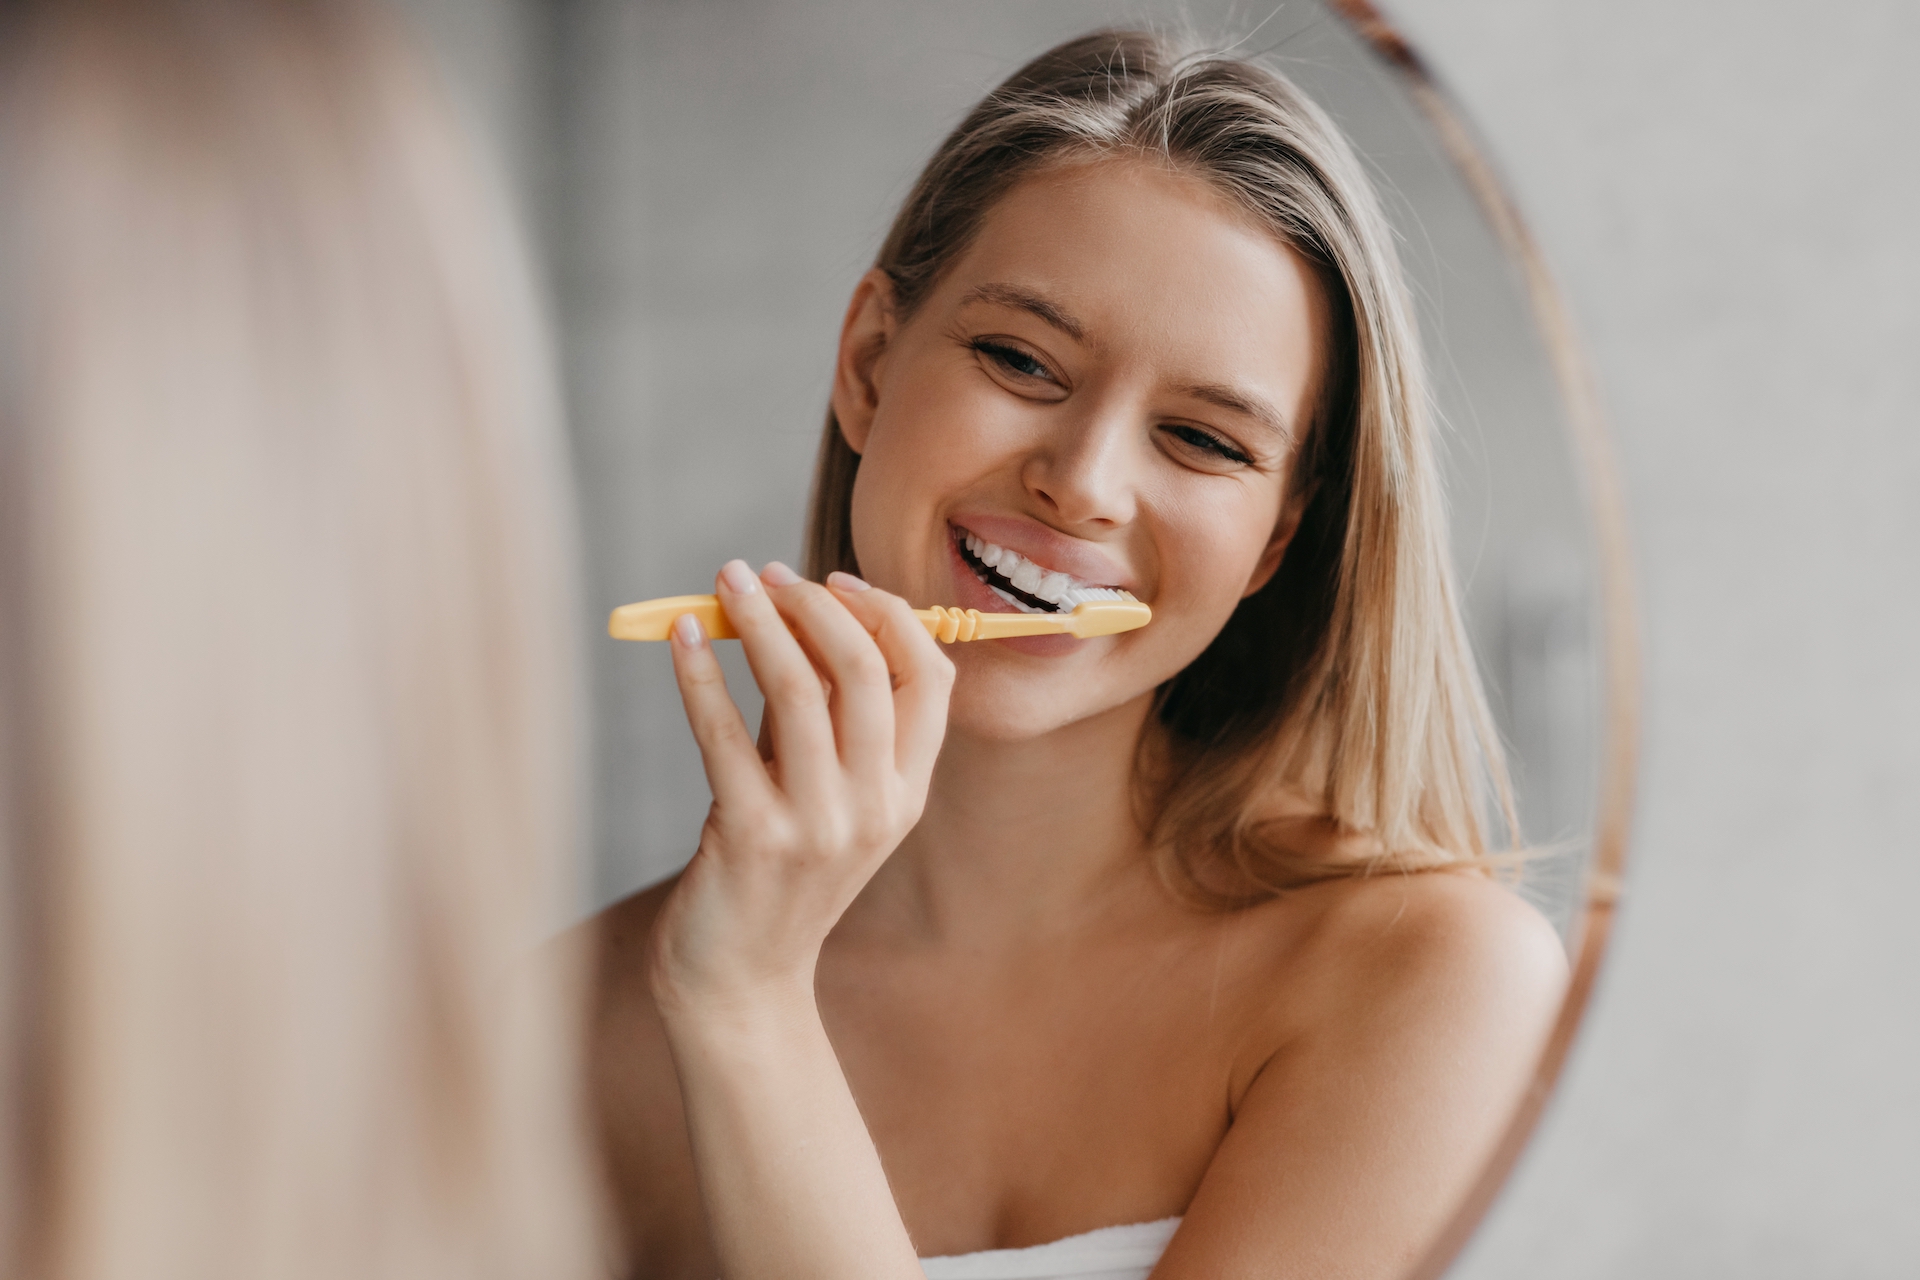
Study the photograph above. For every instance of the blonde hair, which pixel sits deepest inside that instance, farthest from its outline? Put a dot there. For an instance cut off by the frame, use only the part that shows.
(1337, 723)
(286, 694)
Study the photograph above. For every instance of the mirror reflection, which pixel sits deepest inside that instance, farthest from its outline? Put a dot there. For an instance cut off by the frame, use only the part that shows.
(1224, 945)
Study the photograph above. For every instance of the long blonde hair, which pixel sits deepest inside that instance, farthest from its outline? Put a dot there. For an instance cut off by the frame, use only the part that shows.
(286, 702)
(1337, 723)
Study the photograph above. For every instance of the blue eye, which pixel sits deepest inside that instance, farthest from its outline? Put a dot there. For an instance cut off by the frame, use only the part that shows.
(1012, 359)
(1207, 441)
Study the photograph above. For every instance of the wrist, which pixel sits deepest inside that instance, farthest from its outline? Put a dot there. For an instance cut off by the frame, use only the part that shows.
(735, 1007)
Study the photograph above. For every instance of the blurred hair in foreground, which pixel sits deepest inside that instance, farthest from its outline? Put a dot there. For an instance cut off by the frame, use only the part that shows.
(286, 696)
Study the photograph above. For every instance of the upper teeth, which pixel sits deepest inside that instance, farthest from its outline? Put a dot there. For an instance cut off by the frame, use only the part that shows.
(1062, 589)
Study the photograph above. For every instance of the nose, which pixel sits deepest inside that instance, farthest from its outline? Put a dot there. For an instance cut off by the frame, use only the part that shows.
(1085, 469)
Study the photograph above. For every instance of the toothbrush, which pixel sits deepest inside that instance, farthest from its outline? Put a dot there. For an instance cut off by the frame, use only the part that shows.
(652, 619)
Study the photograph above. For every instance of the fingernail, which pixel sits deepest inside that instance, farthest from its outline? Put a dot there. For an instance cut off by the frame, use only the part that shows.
(686, 630)
(847, 582)
(778, 575)
(739, 578)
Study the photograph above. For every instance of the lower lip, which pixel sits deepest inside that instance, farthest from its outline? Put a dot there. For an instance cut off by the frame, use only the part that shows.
(971, 593)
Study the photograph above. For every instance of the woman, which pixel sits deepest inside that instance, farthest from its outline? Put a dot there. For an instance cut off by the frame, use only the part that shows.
(284, 670)
(1183, 937)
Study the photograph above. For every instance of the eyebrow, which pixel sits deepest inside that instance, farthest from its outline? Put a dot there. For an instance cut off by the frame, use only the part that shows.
(1240, 402)
(1012, 295)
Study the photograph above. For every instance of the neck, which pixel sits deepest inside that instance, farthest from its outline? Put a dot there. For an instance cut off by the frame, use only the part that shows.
(1026, 838)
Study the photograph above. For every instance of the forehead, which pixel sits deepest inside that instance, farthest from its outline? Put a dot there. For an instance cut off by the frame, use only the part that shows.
(1154, 264)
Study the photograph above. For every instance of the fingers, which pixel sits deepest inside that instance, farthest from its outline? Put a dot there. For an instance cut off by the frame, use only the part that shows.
(889, 681)
(734, 769)
(921, 674)
(861, 704)
(797, 721)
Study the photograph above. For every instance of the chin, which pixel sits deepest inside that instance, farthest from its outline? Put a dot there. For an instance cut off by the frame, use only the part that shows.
(997, 706)
(994, 719)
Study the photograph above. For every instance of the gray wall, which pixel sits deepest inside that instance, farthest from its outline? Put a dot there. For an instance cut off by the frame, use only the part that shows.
(1730, 196)
(1728, 193)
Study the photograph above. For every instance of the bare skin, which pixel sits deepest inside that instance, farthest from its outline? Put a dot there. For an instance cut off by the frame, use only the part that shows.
(898, 1007)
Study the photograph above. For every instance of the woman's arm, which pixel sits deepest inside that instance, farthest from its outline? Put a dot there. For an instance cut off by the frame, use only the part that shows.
(1414, 1015)
(791, 1182)
(790, 1179)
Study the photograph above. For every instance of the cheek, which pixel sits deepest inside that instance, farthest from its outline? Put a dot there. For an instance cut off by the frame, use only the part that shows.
(935, 438)
(1211, 547)
(1206, 569)
(922, 450)
(943, 418)
(884, 513)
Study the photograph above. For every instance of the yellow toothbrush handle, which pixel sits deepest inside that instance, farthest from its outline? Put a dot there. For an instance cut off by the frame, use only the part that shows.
(954, 626)
(653, 619)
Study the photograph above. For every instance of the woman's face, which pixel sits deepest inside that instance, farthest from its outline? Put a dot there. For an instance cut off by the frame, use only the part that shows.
(1108, 385)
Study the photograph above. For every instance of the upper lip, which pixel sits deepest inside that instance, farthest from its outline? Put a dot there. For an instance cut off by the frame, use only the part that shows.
(1049, 548)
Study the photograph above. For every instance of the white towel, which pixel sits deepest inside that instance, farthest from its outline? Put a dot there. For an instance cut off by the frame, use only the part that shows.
(1111, 1253)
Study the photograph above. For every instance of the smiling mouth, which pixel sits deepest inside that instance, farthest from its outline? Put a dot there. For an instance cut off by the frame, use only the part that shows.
(1024, 584)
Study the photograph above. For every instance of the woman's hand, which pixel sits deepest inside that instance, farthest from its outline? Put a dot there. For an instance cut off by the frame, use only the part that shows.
(856, 707)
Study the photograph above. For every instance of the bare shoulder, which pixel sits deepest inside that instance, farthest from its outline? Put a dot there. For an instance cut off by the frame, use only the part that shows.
(627, 1046)
(635, 1095)
(618, 939)
(1395, 1022)
(1430, 956)
(1435, 927)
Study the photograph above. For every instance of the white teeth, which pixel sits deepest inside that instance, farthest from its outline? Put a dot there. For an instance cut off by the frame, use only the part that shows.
(1057, 588)
(987, 553)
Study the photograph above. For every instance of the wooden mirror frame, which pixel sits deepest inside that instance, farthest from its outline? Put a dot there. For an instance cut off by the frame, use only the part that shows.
(1617, 632)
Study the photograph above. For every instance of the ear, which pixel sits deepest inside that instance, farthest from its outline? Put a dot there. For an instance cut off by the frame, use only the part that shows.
(865, 338)
(1276, 548)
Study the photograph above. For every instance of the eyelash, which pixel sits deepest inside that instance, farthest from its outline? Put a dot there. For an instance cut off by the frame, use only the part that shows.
(1010, 359)
(1199, 439)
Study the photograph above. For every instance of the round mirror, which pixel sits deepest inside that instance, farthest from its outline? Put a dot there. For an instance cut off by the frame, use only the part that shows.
(713, 180)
